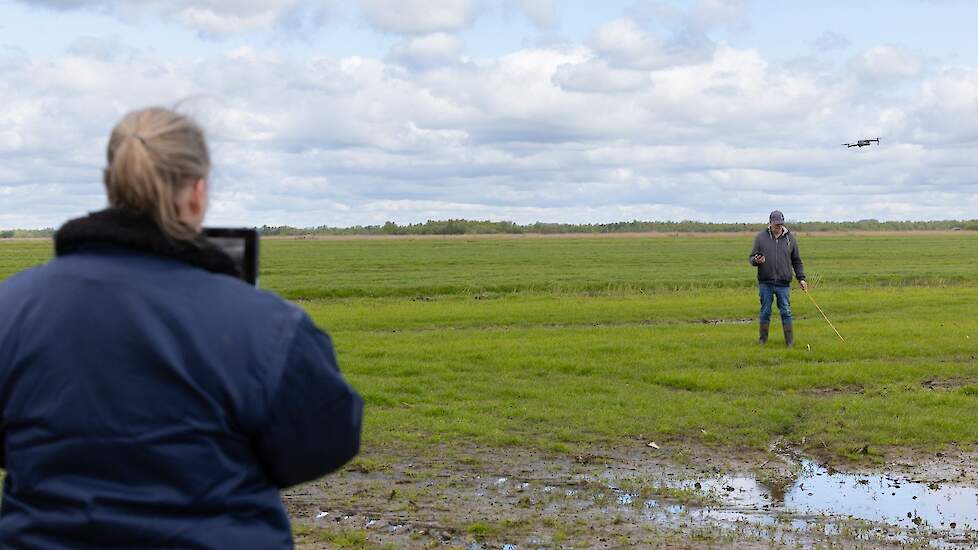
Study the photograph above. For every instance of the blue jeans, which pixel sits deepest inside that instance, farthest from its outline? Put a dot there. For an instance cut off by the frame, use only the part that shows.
(770, 292)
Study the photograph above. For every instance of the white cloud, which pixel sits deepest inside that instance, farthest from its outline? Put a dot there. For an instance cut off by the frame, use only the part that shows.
(428, 50)
(945, 112)
(419, 16)
(215, 17)
(209, 19)
(66, 4)
(706, 14)
(541, 12)
(103, 48)
(595, 76)
(888, 63)
(623, 43)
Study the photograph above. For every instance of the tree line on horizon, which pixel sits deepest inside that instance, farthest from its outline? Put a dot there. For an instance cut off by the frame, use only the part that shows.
(484, 227)
(487, 227)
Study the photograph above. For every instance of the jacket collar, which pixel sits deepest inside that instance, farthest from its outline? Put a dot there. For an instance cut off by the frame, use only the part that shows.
(120, 228)
(783, 233)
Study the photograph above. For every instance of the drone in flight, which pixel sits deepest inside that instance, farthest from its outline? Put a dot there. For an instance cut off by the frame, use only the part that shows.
(863, 143)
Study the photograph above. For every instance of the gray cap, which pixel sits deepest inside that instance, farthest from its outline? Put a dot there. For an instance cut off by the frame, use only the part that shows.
(776, 217)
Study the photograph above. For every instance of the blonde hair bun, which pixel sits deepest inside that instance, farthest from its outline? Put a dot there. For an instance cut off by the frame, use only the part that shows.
(153, 154)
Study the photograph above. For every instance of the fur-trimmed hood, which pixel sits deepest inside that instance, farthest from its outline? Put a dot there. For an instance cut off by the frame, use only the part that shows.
(120, 228)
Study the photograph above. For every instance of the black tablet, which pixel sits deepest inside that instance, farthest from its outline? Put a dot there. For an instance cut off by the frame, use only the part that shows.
(241, 245)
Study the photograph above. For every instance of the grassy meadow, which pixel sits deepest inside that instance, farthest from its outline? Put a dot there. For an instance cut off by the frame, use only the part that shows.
(564, 343)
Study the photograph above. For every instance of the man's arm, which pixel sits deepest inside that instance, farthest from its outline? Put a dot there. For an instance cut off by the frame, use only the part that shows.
(754, 252)
(797, 265)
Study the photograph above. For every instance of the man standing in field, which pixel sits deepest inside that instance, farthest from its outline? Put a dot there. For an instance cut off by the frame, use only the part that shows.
(775, 254)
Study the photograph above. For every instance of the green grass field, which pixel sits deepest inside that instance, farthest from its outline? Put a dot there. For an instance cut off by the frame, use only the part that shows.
(563, 343)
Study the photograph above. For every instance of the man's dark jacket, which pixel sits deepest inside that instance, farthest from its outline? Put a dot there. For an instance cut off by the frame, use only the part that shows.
(150, 400)
(780, 257)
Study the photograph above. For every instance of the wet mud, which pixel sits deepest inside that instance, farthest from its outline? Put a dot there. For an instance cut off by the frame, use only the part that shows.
(637, 496)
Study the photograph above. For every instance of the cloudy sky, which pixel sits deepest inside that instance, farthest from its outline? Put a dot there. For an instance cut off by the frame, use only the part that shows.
(344, 112)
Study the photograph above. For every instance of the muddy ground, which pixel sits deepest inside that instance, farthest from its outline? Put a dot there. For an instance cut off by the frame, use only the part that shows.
(634, 495)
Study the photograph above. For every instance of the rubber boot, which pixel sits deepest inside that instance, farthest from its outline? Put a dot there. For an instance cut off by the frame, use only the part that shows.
(765, 327)
(789, 336)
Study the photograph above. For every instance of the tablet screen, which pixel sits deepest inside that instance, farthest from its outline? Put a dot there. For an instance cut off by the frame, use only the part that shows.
(241, 245)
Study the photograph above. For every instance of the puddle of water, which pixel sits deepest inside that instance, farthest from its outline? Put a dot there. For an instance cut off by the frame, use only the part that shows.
(731, 516)
(739, 491)
(884, 499)
(878, 498)
(818, 503)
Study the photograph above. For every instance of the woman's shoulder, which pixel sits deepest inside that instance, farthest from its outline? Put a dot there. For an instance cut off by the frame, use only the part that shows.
(19, 284)
(236, 291)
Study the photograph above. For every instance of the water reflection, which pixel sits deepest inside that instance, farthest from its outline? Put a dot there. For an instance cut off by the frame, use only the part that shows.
(877, 498)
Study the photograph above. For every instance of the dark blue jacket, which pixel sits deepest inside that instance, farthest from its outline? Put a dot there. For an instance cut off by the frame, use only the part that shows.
(149, 402)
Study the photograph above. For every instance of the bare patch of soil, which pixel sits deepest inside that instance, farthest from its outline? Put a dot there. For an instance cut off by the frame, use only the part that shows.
(946, 383)
(834, 390)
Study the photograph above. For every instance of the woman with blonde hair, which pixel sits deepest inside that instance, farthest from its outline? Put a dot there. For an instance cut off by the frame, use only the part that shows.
(148, 398)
